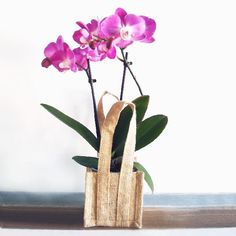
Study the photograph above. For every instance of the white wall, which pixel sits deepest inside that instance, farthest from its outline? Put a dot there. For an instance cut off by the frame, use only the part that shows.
(189, 73)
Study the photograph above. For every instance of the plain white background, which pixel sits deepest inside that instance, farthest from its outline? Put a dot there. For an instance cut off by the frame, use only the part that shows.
(189, 73)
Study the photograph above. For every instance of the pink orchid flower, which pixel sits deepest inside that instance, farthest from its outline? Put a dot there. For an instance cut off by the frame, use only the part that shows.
(81, 58)
(127, 28)
(107, 48)
(150, 30)
(97, 46)
(60, 56)
(87, 34)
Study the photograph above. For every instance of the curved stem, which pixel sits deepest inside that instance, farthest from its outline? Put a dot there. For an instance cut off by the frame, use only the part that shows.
(124, 73)
(131, 72)
(91, 81)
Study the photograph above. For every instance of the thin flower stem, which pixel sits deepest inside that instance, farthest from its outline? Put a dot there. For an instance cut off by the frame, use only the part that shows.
(91, 81)
(131, 72)
(124, 73)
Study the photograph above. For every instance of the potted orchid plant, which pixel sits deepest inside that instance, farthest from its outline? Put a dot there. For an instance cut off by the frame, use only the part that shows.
(98, 40)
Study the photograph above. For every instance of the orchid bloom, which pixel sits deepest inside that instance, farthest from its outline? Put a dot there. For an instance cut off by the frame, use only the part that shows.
(89, 37)
(98, 40)
(87, 34)
(150, 30)
(127, 28)
(60, 56)
(81, 58)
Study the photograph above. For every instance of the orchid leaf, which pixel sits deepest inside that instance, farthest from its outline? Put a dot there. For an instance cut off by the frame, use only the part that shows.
(90, 162)
(147, 176)
(149, 129)
(122, 127)
(75, 125)
(141, 104)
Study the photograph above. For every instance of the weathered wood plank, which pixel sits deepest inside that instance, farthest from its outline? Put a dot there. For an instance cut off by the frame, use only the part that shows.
(155, 217)
(65, 210)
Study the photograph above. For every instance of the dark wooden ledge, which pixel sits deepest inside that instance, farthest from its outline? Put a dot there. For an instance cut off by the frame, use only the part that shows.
(65, 210)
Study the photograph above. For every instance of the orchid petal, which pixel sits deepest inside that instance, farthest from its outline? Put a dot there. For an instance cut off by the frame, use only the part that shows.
(110, 26)
(121, 13)
(150, 26)
(81, 25)
(60, 43)
(81, 58)
(124, 43)
(50, 50)
(111, 53)
(148, 40)
(81, 36)
(46, 62)
(136, 23)
(92, 26)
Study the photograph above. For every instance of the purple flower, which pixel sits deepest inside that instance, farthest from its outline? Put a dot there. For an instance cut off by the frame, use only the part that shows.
(107, 48)
(87, 33)
(98, 40)
(97, 46)
(81, 58)
(60, 56)
(126, 28)
(150, 30)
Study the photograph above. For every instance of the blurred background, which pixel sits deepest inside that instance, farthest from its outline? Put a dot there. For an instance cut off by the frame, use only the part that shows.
(189, 73)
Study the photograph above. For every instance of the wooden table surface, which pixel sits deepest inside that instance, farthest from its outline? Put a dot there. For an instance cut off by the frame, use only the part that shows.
(65, 211)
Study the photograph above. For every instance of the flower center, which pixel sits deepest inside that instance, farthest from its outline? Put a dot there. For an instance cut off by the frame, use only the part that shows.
(65, 64)
(126, 33)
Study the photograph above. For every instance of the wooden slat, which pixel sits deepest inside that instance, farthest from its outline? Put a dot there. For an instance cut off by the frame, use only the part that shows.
(153, 217)
(189, 217)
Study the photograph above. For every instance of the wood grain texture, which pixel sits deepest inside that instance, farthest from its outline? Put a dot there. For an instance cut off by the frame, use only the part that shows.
(153, 217)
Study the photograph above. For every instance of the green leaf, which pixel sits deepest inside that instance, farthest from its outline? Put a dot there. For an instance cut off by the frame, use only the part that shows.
(91, 162)
(149, 129)
(141, 104)
(147, 177)
(75, 125)
(122, 127)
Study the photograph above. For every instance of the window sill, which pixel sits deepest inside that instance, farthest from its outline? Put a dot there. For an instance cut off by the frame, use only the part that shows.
(65, 210)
